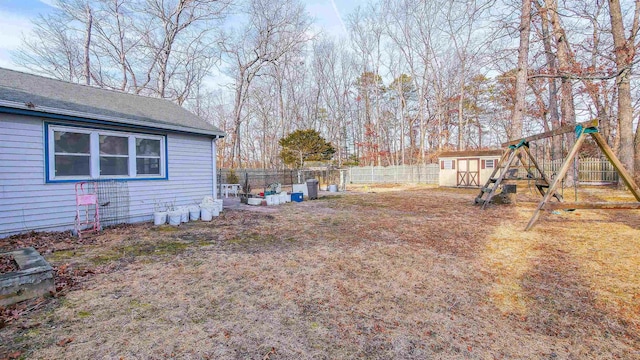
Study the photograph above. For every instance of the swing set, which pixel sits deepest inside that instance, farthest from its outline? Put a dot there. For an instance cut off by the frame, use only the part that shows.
(518, 151)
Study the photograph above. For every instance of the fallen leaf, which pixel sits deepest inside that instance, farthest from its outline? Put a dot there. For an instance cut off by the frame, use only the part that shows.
(63, 268)
(64, 342)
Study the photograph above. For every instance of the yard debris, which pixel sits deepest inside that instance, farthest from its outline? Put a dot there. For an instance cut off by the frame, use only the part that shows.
(267, 356)
(64, 342)
(43, 242)
(10, 314)
(7, 264)
(12, 355)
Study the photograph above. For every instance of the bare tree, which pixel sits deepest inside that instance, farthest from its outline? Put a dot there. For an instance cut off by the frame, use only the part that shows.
(273, 30)
(625, 51)
(55, 45)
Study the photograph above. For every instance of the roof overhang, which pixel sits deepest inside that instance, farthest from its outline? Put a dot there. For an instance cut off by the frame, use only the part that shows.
(62, 114)
(467, 153)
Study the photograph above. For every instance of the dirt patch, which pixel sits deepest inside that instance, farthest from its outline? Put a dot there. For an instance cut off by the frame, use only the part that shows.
(408, 273)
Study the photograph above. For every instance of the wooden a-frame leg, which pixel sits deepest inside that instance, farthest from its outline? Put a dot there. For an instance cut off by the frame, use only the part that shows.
(563, 172)
(626, 176)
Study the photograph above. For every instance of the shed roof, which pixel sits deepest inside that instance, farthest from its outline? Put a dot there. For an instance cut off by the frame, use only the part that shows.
(30, 93)
(467, 153)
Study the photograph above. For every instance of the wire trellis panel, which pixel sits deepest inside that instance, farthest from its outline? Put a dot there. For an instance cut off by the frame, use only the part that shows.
(113, 199)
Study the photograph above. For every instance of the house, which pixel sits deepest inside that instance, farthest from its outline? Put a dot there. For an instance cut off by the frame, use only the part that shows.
(467, 168)
(54, 134)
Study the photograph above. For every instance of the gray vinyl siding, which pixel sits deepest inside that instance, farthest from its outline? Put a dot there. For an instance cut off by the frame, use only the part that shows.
(28, 203)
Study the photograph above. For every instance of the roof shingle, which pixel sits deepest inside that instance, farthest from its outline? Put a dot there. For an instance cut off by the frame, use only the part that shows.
(37, 93)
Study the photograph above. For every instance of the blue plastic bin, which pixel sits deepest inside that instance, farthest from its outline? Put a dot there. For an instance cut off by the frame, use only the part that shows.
(297, 197)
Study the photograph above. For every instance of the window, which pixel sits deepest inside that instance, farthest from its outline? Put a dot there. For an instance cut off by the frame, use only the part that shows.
(448, 165)
(79, 154)
(489, 164)
(148, 156)
(114, 155)
(72, 154)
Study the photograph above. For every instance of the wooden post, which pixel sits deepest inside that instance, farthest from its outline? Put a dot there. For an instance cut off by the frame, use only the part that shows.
(558, 179)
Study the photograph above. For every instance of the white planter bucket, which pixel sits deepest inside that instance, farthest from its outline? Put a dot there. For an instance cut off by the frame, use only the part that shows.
(175, 217)
(333, 188)
(218, 204)
(185, 214)
(206, 212)
(194, 213)
(270, 200)
(159, 218)
(208, 200)
(254, 201)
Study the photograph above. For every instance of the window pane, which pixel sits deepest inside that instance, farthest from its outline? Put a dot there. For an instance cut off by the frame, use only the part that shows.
(114, 165)
(147, 147)
(114, 145)
(148, 166)
(70, 165)
(70, 142)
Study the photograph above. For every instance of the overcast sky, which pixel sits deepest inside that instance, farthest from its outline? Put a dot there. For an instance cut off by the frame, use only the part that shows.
(16, 18)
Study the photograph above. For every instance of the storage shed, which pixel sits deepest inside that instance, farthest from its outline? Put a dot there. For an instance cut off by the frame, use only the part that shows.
(469, 168)
(149, 151)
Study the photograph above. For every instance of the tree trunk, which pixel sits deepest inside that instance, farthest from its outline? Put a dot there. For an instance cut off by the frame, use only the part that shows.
(637, 155)
(565, 60)
(461, 124)
(87, 45)
(521, 75)
(554, 117)
(624, 54)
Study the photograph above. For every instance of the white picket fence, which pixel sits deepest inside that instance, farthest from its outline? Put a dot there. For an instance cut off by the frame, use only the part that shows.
(402, 174)
(591, 171)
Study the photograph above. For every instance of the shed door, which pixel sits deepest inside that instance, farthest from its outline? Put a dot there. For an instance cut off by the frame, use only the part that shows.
(468, 172)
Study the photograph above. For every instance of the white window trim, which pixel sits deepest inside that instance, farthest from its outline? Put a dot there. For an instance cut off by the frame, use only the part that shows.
(94, 148)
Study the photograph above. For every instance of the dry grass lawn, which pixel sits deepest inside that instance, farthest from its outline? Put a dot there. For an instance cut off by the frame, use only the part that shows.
(407, 273)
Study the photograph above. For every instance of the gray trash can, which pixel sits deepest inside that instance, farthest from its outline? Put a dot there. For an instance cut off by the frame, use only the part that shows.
(312, 189)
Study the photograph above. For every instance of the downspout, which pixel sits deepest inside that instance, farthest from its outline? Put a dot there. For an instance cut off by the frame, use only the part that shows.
(214, 168)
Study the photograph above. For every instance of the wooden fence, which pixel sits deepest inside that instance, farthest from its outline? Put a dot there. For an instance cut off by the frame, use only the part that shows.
(590, 170)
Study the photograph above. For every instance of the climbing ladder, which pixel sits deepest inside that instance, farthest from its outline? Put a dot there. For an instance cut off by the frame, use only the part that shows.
(491, 186)
(505, 172)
